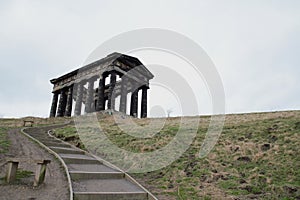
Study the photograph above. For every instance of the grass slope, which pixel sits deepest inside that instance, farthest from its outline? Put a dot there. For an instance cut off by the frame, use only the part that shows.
(256, 157)
(4, 142)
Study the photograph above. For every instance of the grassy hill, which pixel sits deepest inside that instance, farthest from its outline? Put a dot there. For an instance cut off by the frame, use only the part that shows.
(256, 157)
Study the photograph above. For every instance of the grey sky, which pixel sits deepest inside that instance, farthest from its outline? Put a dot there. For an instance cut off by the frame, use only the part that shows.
(255, 46)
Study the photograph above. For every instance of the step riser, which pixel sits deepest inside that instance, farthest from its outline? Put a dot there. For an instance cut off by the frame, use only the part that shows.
(125, 196)
(39, 137)
(54, 144)
(67, 151)
(46, 139)
(77, 176)
(80, 161)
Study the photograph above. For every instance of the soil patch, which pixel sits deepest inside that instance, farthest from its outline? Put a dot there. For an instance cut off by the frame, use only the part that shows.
(55, 185)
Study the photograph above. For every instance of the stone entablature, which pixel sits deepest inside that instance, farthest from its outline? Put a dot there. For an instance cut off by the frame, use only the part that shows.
(133, 75)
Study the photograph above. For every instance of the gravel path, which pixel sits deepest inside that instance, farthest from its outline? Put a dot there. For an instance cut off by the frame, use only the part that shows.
(55, 185)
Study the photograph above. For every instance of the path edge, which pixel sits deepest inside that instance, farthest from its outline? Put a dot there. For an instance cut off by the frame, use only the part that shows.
(56, 156)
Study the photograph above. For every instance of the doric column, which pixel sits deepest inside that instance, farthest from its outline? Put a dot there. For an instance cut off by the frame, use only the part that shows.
(54, 104)
(79, 94)
(89, 96)
(62, 103)
(111, 97)
(123, 99)
(101, 101)
(144, 102)
(69, 101)
(134, 103)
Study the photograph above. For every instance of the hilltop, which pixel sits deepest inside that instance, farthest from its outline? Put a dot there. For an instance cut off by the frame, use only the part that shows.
(256, 157)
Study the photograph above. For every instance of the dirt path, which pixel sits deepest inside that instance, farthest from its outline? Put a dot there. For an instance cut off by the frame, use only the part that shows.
(55, 185)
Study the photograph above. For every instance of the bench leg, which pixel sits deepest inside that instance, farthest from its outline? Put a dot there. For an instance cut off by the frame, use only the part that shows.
(40, 174)
(12, 171)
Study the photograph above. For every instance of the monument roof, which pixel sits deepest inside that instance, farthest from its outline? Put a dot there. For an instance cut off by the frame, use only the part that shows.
(125, 62)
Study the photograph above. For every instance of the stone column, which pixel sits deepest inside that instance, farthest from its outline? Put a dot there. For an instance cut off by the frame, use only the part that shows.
(62, 103)
(69, 101)
(101, 101)
(111, 96)
(78, 99)
(89, 96)
(134, 103)
(144, 102)
(123, 99)
(54, 104)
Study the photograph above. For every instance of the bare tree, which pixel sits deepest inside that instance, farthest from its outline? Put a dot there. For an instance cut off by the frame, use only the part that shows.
(169, 111)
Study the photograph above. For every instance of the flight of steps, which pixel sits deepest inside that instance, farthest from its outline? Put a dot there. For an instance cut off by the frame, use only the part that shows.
(91, 178)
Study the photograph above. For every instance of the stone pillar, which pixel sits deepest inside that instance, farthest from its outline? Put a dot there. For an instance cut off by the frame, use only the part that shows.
(144, 102)
(134, 103)
(123, 99)
(101, 101)
(69, 101)
(111, 96)
(54, 104)
(62, 103)
(78, 99)
(89, 96)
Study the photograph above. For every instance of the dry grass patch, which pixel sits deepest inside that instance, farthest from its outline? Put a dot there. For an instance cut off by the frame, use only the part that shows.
(257, 156)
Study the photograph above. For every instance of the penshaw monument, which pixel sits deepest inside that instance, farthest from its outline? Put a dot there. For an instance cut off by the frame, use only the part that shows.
(96, 87)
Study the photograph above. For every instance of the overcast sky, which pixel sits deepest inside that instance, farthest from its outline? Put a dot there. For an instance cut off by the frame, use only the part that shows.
(255, 46)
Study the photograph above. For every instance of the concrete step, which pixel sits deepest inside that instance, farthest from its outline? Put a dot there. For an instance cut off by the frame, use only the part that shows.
(90, 168)
(105, 185)
(44, 139)
(48, 140)
(65, 150)
(91, 179)
(77, 175)
(56, 144)
(78, 159)
(110, 195)
(37, 134)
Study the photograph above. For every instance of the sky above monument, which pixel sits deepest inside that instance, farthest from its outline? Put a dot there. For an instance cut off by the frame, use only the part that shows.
(254, 45)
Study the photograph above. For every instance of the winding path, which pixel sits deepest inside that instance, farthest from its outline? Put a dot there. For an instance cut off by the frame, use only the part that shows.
(89, 176)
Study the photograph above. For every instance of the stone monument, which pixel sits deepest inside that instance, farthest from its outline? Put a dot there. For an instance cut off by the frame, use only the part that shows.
(98, 85)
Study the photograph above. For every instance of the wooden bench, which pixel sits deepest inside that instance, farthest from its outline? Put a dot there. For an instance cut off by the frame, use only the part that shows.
(39, 173)
(28, 123)
(12, 168)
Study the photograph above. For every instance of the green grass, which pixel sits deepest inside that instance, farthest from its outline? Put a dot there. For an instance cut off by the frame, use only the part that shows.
(69, 133)
(4, 142)
(23, 174)
(256, 156)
